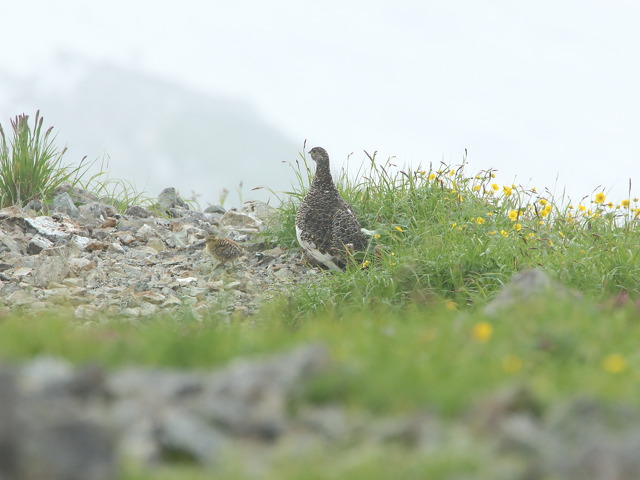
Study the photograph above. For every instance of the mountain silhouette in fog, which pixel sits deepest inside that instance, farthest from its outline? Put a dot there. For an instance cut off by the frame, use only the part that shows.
(154, 132)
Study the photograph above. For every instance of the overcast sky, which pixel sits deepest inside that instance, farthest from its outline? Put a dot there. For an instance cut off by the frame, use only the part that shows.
(538, 90)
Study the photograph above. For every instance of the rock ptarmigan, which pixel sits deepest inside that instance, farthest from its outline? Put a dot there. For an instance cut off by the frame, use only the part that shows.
(326, 226)
(223, 249)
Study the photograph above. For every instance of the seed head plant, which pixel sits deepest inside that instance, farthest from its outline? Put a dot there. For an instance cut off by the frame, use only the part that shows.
(31, 164)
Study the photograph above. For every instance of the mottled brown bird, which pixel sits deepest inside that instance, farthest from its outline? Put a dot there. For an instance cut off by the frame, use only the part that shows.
(326, 227)
(223, 249)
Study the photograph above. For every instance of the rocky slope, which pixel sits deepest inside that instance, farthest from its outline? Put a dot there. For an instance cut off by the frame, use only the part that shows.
(83, 254)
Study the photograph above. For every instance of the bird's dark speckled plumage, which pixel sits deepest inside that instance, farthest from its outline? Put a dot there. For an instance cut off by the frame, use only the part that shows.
(223, 249)
(325, 224)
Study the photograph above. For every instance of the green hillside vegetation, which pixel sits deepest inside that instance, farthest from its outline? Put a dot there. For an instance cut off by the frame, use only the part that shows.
(405, 322)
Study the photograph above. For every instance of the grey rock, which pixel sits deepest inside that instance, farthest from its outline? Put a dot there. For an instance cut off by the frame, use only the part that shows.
(139, 212)
(10, 434)
(8, 244)
(78, 265)
(97, 210)
(527, 286)
(250, 397)
(259, 210)
(47, 435)
(68, 449)
(44, 373)
(49, 269)
(240, 221)
(35, 205)
(329, 421)
(182, 434)
(56, 231)
(146, 233)
(154, 385)
(588, 439)
(37, 244)
(169, 199)
(78, 195)
(63, 203)
(20, 298)
(215, 209)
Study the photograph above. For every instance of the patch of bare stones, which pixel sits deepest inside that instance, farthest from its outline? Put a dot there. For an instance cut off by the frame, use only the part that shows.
(84, 255)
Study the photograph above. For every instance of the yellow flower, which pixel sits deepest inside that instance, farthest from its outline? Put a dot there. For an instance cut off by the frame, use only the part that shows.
(482, 331)
(421, 172)
(490, 213)
(533, 189)
(561, 234)
(518, 227)
(493, 175)
(600, 198)
(399, 229)
(512, 364)
(546, 211)
(492, 232)
(432, 176)
(637, 212)
(625, 203)
(514, 214)
(477, 187)
(453, 225)
(543, 202)
(635, 200)
(376, 235)
(452, 172)
(450, 305)
(366, 264)
(504, 234)
(582, 208)
(610, 205)
(507, 191)
(479, 220)
(495, 187)
(614, 363)
(531, 235)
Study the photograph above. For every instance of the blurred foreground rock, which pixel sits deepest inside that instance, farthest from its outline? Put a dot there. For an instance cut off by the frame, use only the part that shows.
(528, 287)
(59, 422)
(63, 423)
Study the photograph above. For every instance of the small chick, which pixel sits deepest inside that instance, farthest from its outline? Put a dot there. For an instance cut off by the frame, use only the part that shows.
(223, 250)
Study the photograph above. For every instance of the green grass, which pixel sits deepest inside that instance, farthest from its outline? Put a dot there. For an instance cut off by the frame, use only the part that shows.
(443, 233)
(387, 363)
(32, 167)
(408, 332)
(31, 164)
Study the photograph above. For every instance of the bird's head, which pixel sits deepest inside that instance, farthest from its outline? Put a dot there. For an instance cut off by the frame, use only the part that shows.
(319, 155)
(213, 239)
